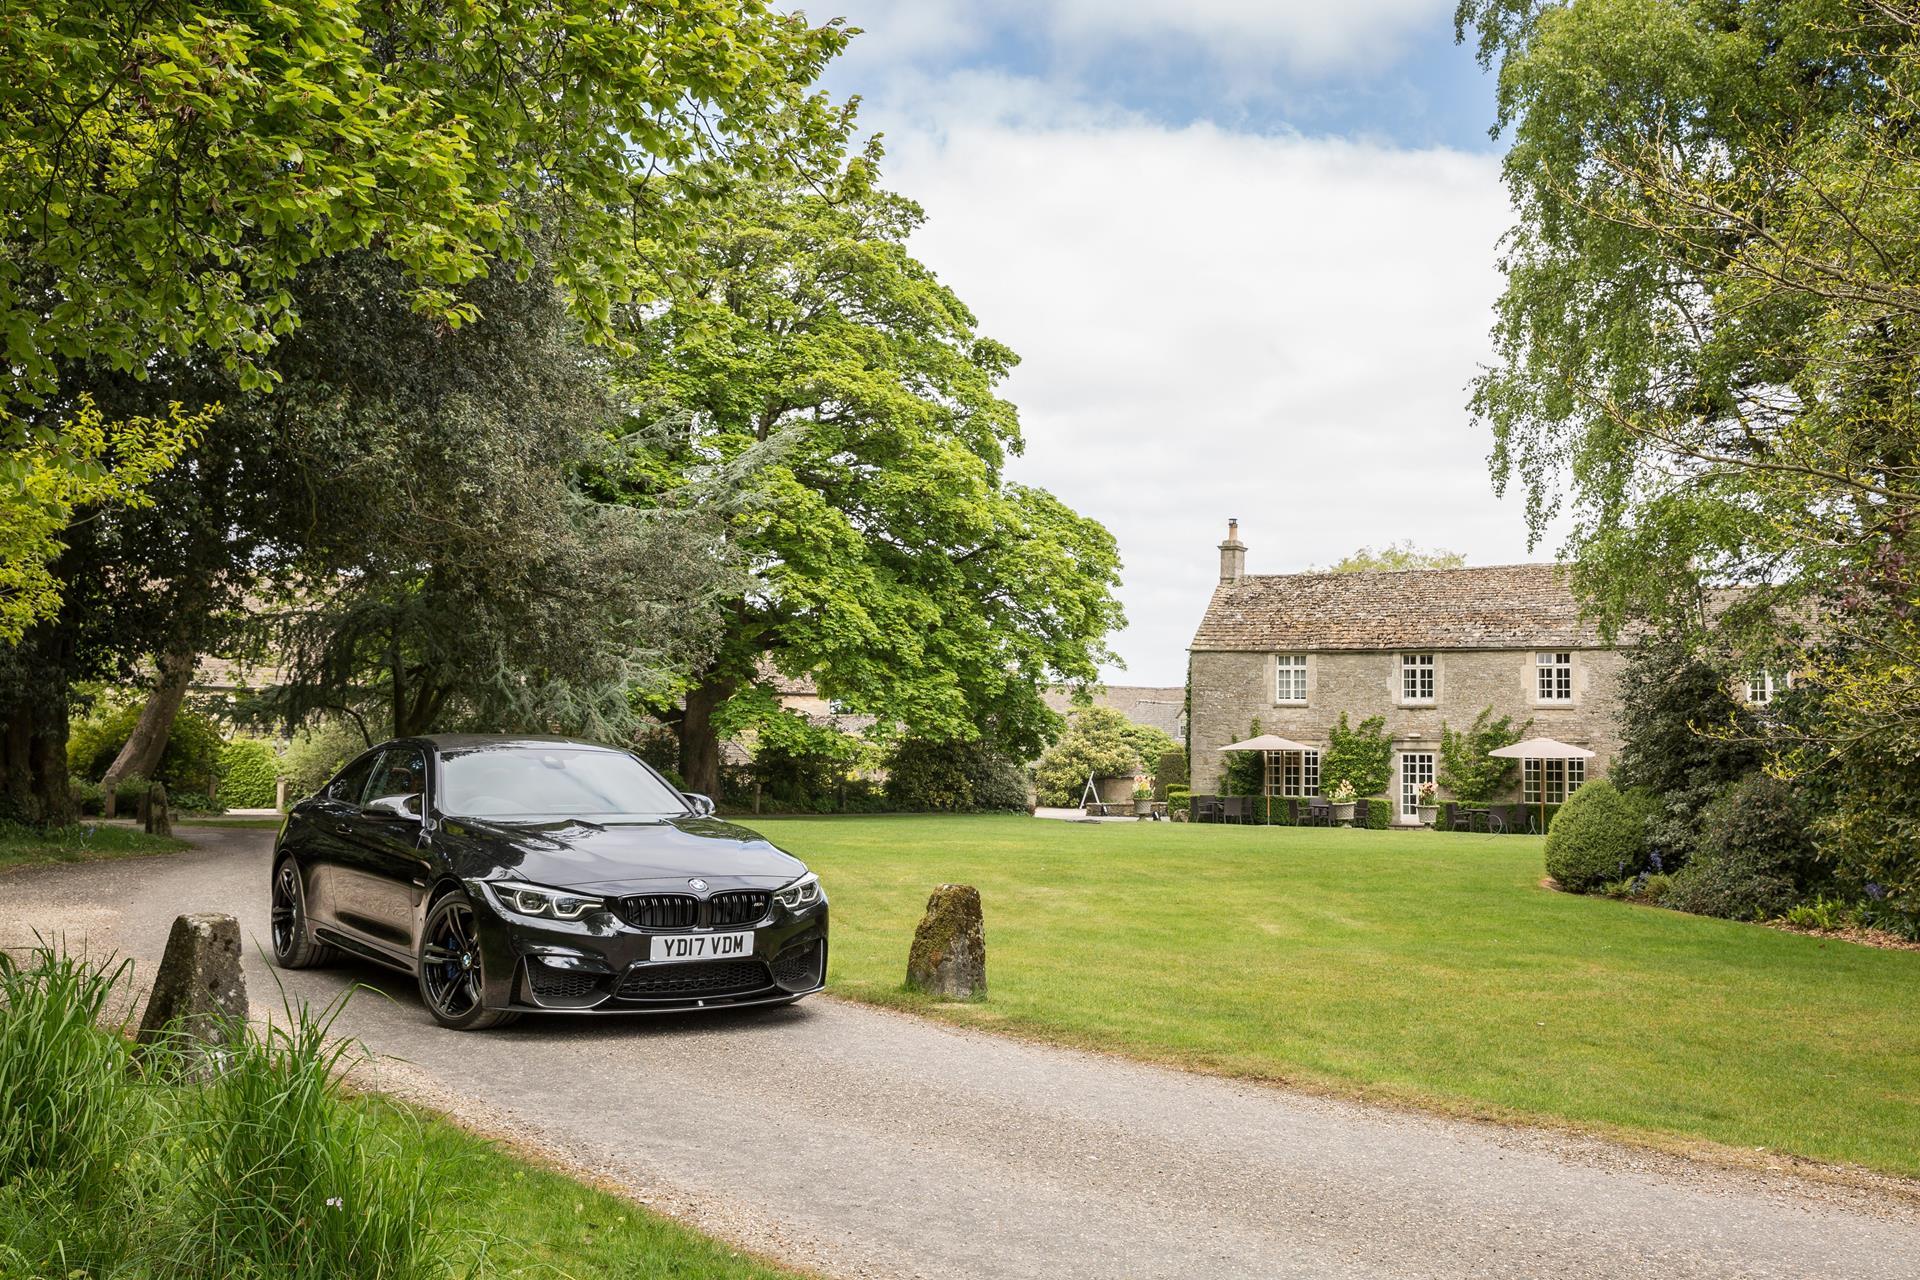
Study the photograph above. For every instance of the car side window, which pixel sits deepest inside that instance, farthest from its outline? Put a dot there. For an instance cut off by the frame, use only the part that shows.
(402, 772)
(351, 786)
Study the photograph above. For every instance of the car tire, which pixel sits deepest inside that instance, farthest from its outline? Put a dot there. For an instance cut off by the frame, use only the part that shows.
(449, 967)
(293, 945)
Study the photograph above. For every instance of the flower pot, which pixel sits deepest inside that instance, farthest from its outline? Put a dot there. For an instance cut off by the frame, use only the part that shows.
(1344, 812)
(1428, 812)
(1143, 808)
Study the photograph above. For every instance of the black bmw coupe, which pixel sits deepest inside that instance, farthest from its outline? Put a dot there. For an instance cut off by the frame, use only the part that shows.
(514, 875)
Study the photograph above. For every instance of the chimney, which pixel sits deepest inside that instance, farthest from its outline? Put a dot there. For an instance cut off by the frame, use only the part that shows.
(1233, 554)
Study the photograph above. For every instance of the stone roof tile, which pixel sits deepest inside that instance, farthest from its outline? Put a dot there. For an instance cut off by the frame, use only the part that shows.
(1515, 606)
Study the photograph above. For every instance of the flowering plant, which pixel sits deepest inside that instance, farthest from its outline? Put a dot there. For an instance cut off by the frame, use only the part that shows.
(1143, 791)
(1343, 793)
(1428, 793)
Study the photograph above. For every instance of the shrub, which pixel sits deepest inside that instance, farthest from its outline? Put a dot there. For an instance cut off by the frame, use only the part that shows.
(1362, 755)
(1098, 741)
(317, 752)
(953, 777)
(1179, 799)
(1379, 814)
(89, 798)
(248, 771)
(1754, 857)
(1599, 835)
(127, 794)
(1468, 769)
(1171, 771)
(190, 762)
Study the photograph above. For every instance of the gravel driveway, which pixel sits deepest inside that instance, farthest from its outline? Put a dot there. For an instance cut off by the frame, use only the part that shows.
(866, 1143)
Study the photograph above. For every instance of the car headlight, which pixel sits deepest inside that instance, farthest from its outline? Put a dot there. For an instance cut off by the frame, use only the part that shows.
(801, 894)
(544, 904)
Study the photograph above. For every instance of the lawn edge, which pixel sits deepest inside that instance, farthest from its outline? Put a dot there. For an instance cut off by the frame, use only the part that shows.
(1782, 1169)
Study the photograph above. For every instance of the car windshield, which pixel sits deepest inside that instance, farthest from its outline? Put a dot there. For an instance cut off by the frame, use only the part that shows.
(552, 782)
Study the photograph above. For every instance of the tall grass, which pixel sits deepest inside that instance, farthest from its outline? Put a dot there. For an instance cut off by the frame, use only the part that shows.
(267, 1171)
(283, 1179)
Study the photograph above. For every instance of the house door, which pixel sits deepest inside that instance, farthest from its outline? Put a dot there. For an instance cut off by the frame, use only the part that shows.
(1416, 770)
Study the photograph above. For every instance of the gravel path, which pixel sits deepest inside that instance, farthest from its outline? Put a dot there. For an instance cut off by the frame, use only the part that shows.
(866, 1143)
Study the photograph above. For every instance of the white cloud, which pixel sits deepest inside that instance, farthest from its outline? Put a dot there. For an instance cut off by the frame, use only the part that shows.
(1213, 324)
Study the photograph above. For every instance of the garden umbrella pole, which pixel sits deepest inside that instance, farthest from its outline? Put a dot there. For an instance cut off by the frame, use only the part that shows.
(1542, 749)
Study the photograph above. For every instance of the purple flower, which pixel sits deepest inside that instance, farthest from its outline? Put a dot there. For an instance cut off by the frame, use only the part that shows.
(1875, 892)
(1653, 860)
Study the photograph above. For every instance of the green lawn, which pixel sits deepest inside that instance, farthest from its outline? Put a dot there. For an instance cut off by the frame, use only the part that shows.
(82, 842)
(1419, 966)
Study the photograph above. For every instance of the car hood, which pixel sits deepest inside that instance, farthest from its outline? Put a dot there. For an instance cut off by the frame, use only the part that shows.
(623, 857)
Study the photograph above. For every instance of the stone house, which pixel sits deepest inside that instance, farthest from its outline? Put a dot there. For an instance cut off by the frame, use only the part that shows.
(1421, 648)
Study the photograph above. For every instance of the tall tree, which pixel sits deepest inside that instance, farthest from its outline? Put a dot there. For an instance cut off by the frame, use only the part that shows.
(1396, 557)
(890, 558)
(171, 165)
(1709, 341)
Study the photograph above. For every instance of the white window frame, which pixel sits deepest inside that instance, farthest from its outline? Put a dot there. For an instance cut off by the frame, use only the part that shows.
(1562, 779)
(1761, 687)
(1553, 676)
(1410, 779)
(1300, 774)
(1417, 673)
(1289, 675)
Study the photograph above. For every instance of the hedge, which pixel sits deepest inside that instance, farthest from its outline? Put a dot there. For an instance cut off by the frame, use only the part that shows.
(248, 771)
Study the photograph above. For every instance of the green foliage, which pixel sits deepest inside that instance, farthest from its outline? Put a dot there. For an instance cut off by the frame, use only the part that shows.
(249, 770)
(889, 555)
(1599, 835)
(158, 200)
(1098, 742)
(1396, 557)
(1171, 770)
(1150, 744)
(1244, 773)
(1179, 800)
(953, 777)
(1362, 755)
(1379, 814)
(318, 751)
(1468, 770)
(1755, 857)
(65, 1115)
(1686, 738)
(191, 761)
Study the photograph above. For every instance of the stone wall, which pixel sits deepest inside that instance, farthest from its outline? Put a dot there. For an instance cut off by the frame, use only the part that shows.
(1231, 689)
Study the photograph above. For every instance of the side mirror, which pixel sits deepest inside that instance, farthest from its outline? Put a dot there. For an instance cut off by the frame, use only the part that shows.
(407, 807)
(702, 805)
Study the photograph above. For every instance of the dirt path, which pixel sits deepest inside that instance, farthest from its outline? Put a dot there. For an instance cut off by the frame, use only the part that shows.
(865, 1143)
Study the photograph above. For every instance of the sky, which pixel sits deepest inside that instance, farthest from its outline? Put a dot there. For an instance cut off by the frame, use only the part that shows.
(1246, 250)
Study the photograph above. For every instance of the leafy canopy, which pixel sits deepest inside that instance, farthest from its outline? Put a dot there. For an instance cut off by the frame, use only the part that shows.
(1361, 754)
(1396, 557)
(1098, 742)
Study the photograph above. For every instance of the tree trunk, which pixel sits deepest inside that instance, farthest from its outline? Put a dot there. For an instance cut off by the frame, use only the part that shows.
(699, 741)
(148, 742)
(33, 764)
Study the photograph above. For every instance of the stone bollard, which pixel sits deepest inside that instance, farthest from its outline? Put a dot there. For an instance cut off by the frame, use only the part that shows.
(199, 1003)
(949, 956)
(155, 816)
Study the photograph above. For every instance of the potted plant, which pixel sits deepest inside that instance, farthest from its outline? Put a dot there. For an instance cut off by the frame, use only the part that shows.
(1428, 801)
(1143, 800)
(1342, 798)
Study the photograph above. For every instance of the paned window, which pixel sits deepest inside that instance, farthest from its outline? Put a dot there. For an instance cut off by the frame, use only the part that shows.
(1300, 774)
(1761, 687)
(1416, 677)
(1555, 671)
(1290, 682)
(1560, 778)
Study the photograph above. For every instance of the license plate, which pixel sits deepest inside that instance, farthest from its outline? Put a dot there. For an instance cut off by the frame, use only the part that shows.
(703, 946)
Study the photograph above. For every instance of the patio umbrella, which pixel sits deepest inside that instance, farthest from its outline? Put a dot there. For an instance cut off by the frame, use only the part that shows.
(1542, 749)
(1267, 742)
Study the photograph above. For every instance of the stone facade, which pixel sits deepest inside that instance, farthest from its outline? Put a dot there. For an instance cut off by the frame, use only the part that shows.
(1483, 629)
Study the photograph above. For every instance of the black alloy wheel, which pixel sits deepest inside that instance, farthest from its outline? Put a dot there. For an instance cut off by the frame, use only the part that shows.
(452, 980)
(292, 948)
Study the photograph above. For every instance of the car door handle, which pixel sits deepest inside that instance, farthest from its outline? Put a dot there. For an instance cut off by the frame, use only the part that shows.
(342, 827)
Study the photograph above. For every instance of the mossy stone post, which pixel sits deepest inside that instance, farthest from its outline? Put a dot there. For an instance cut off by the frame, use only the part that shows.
(155, 816)
(198, 1008)
(949, 956)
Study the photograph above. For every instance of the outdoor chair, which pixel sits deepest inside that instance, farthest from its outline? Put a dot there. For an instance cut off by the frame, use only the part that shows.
(1207, 809)
(1237, 808)
(1462, 818)
(1319, 813)
(1496, 824)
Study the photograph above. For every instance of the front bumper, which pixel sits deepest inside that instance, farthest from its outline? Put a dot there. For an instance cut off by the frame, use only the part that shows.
(603, 965)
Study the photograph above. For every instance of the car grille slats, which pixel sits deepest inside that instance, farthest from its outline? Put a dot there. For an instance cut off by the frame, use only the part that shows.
(733, 909)
(696, 979)
(738, 907)
(660, 910)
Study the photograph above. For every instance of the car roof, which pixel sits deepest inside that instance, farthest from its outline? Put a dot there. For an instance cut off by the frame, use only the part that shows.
(473, 741)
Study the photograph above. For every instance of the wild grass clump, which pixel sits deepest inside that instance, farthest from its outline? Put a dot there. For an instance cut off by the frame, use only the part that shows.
(267, 1171)
(283, 1178)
